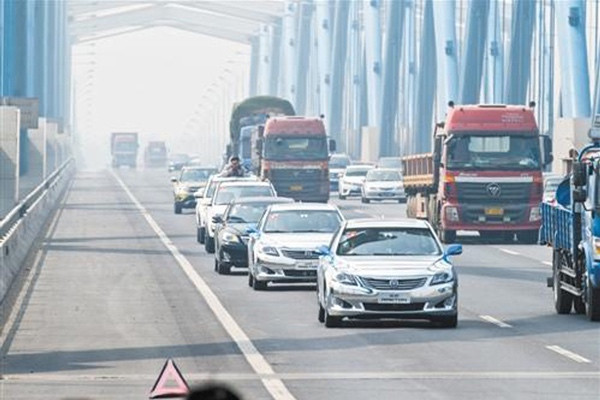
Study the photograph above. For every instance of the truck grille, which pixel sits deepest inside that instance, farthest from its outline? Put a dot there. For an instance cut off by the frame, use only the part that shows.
(393, 307)
(301, 254)
(481, 193)
(296, 183)
(393, 284)
(510, 215)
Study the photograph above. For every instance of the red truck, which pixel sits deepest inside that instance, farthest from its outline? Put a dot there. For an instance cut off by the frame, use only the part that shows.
(485, 173)
(293, 153)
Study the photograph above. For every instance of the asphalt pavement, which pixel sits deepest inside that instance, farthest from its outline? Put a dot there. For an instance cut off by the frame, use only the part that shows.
(120, 285)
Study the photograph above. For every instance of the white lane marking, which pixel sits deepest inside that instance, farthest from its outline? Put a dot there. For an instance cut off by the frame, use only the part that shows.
(256, 360)
(547, 263)
(569, 354)
(298, 376)
(512, 253)
(495, 321)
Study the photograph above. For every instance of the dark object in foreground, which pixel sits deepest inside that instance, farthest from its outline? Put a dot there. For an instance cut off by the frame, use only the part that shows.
(212, 392)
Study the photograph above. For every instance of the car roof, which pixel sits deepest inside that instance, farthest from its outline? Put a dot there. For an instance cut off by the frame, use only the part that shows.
(385, 170)
(245, 183)
(303, 206)
(386, 223)
(217, 178)
(360, 166)
(262, 199)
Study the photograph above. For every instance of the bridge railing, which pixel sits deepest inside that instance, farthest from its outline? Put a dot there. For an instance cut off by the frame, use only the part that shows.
(24, 223)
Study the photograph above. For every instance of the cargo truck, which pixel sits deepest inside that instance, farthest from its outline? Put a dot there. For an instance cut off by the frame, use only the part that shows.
(124, 148)
(293, 153)
(571, 225)
(155, 154)
(484, 174)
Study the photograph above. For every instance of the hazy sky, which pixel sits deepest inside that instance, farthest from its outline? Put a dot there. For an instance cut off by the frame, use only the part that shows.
(152, 82)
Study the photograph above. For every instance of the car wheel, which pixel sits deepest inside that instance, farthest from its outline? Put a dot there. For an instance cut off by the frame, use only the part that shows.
(200, 235)
(177, 207)
(446, 321)
(365, 200)
(563, 300)
(209, 244)
(321, 316)
(341, 197)
(250, 279)
(331, 321)
(579, 305)
(259, 285)
(593, 301)
(223, 269)
(216, 267)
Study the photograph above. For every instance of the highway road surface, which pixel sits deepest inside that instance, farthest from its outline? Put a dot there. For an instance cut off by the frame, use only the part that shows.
(120, 285)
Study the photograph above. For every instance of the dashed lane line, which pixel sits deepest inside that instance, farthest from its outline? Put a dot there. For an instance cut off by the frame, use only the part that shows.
(512, 253)
(497, 322)
(256, 360)
(569, 354)
(547, 263)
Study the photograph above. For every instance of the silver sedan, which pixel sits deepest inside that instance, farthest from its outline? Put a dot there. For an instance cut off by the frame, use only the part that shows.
(387, 269)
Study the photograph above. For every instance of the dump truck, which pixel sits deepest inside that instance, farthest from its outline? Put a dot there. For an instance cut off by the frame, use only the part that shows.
(484, 174)
(571, 226)
(124, 148)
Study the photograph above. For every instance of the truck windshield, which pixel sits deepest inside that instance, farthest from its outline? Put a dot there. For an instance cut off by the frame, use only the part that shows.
(490, 152)
(296, 148)
(125, 146)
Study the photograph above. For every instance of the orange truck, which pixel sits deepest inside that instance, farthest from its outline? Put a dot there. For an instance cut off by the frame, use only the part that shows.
(293, 153)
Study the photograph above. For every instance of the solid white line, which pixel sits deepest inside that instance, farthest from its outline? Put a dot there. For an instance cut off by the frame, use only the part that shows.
(256, 360)
(512, 253)
(495, 321)
(569, 354)
(547, 263)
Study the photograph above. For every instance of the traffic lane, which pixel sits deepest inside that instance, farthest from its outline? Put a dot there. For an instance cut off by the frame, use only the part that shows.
(282, 324)
(107, 302)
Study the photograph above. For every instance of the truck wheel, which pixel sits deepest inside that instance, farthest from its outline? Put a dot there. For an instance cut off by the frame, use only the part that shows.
(209, 244)
(447, 236)
(593, 301)
(365, 200)
(200, 235)
(579, 305)
(177, 207)
(528, 237)
(563, 300)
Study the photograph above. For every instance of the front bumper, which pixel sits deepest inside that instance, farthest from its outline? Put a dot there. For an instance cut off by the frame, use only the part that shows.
(422, 303)
(507, 217)
(235, 254)
(384, 194)
(285, 270)
(350, 190)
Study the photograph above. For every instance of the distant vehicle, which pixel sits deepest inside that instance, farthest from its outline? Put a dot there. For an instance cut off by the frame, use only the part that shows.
(123, 149)
(225, 193)
(550, 185)
(383, 184)
(390, 162)
(189, 181)
(387, 269)
(352, 180)
(178, 161)
(284, 250)
(484, 174)
(231, 234)
(155, 154)
(293, 153)
(204, 199)
(337, 165)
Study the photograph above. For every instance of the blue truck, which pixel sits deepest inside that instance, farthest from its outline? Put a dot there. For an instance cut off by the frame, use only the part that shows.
(571, 225)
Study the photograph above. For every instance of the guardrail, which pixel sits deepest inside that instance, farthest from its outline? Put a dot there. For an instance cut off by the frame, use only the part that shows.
(23, 225)
(24, 205)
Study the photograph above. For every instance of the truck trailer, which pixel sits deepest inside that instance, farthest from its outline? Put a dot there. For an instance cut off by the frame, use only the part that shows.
(484, 174)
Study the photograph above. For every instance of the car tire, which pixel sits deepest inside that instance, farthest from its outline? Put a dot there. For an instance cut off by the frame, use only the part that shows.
(330, 320)
(365, 200)
(446, 321)
(250, 279)
(223, 269)
(259, 285)
(593, 301)
(209, 244)
(563, 300)
(321, 315)
(579, 305)
(177, 207)
(447, 236)
(200, 235)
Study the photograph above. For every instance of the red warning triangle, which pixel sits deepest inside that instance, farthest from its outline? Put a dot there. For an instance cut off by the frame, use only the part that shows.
(170, 383)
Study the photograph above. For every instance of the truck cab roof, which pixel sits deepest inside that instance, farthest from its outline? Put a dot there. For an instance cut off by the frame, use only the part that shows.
(294, 125)
(491, 117)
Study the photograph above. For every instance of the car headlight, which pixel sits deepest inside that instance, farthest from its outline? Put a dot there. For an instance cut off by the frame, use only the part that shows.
(269, 250)
(230, 237)
(442, 277)
(345, 278)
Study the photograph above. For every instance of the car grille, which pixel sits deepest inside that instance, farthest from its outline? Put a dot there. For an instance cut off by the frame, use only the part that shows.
(393, 284)
(301, 254)
(299, 273)
(476, 192)
(393, 307)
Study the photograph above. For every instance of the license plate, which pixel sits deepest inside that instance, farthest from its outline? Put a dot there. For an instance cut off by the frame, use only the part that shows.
(306, 265)
(494, 211)
(296, 188)
(386, 194)
(393, 298)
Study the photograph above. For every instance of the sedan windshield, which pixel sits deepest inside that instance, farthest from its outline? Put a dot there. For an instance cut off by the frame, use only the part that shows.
(382, 176)
(246, 213)
(195, 175)
(387, 242)
(298, 221)
(357, 172)
(296, 148)
(226, 194)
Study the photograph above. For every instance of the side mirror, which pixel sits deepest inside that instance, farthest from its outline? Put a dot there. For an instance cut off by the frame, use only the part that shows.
(340, 175)
(173, 179)
(217, 219)
(323, 250)
(332, 145)
(453, 250)
(547, 148)
(205, 201)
